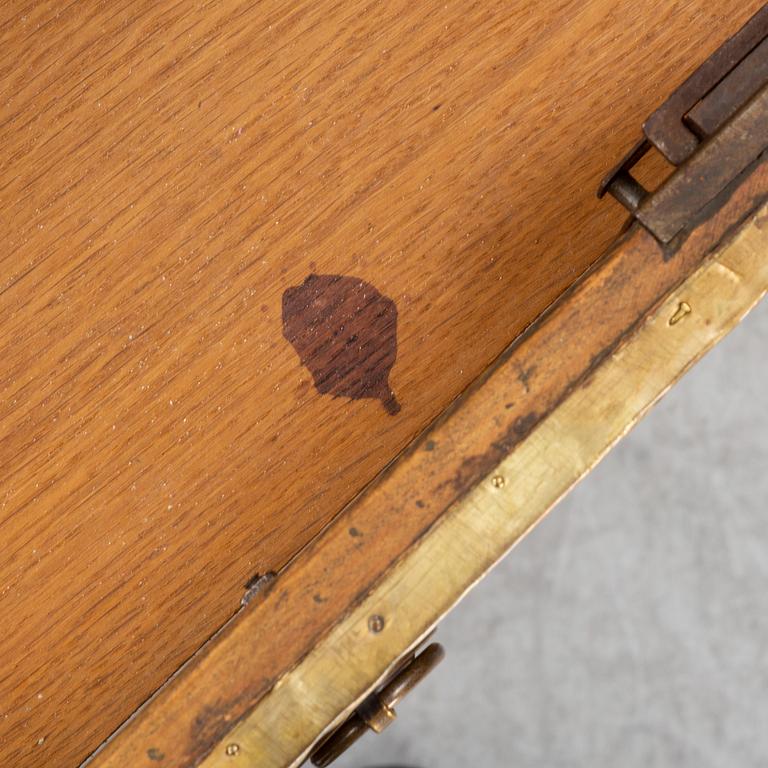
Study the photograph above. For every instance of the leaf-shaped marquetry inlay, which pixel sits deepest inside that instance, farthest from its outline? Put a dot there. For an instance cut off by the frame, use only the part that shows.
(345, 333)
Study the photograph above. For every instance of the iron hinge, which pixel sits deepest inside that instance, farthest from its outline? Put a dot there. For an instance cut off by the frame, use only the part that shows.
(711, 128)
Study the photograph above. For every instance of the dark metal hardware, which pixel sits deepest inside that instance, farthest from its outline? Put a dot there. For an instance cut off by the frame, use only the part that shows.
(709, 171)
(378, 710)
(666, 128)
(735, 89)
(620, 183)
(713, 127)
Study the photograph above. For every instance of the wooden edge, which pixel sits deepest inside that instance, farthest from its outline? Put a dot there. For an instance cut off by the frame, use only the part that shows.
(252, 658)
(514, 495)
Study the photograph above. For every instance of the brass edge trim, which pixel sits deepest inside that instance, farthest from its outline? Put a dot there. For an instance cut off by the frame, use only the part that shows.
(474, 534)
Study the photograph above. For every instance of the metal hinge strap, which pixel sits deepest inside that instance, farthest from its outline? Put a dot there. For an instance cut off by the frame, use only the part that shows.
(713, 127)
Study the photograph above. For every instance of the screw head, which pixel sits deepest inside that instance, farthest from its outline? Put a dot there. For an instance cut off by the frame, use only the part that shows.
(376, 623)
(232, 749)
(498, 481)
(683, 310)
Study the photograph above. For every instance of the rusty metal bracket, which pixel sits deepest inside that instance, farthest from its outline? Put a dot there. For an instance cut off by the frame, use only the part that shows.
(667, 128)
(713, 126)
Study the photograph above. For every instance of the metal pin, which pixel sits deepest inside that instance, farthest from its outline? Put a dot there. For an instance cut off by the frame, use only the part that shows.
(683, 309)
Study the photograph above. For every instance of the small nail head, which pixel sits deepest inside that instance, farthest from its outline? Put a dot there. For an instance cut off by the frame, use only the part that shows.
(683, 309)
(232, 749)
(498, 481)
(376, 623)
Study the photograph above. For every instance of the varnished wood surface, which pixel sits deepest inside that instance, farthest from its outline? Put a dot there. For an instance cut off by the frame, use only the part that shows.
(167, 171)
(194, 716)
(500, 510)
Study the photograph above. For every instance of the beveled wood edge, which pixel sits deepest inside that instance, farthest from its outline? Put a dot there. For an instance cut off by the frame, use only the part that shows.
(193, 714)
(510, 500)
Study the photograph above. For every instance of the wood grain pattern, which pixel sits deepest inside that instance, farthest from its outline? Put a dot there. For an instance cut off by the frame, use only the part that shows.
(167, 169)
(501, 509)
(561, 353)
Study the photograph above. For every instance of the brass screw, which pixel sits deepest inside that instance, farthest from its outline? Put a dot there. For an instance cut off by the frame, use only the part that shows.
(376, 623)
(498, 481)
(232, 749)
(683, 309)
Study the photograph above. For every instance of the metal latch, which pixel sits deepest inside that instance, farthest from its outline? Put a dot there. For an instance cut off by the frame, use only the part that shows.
(378, 710)
(712, 128)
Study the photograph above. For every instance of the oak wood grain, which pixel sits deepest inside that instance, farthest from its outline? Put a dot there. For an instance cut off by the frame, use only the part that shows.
(167, 171)
(195, 714)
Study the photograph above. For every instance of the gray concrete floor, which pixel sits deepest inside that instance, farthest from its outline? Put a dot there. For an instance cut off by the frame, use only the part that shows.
(630, 629)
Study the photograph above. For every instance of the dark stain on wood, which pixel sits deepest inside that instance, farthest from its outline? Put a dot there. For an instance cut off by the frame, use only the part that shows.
(345, 333)
(473, 468)
(523, 425)
(211, 724)
(524, 375)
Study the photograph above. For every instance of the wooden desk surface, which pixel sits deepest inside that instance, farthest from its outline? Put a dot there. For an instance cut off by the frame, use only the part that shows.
(167, 172)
